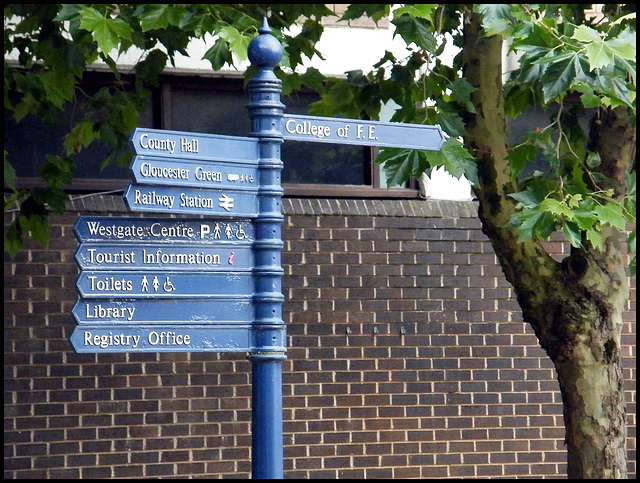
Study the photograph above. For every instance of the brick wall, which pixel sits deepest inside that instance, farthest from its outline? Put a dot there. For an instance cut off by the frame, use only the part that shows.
(408, 358)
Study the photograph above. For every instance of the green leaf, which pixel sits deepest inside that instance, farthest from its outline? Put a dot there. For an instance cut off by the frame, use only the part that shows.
(572, 233)
(9, 173)
(13, 239)
(595, 238)
(374, 11)
(529, 198)
(555, 207)
(455, 159)
(414, 30)
(611, 213)
(417, 10)
(37, 226)
(160, 16)
(586, 34)
(450, 121)
(520, 156)
(598, 55)
(219, 55)
(588, 97)
(57, 171)
(59, 86)
(461, 91)
(557, 79)
(401, 164)
(238, 43)
(150, 68)
(624, 46)
(81, 135)
(340, 94)
(601, 52)
(496, 18)
(107, 32)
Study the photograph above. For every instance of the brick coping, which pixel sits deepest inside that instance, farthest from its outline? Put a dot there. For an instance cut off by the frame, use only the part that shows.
(317, 206)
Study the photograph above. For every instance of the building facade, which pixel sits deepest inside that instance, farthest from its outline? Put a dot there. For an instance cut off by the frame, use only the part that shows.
(407, 358)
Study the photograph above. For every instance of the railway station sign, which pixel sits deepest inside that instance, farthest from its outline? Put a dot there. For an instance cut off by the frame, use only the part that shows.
(191, 201)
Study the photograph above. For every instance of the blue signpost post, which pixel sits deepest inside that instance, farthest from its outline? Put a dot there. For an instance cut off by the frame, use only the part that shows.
(211, 285)
(265, 111)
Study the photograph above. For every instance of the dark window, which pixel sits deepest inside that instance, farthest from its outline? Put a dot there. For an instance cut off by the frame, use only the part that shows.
(28, 142)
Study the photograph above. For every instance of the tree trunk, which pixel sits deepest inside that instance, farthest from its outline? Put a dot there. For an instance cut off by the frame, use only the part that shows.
(575, 307)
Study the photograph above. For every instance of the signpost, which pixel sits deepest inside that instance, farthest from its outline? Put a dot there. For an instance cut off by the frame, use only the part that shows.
(211, 284)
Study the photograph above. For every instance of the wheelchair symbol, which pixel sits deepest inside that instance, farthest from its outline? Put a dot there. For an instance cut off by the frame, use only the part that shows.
(168, 286)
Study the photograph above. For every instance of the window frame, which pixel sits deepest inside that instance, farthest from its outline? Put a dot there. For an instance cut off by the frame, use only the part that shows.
(161, 116)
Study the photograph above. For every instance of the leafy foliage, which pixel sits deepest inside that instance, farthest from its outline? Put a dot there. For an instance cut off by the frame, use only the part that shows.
(570, 63)
(48, 48)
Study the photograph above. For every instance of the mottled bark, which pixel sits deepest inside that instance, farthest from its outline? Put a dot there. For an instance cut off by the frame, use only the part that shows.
(575, 306)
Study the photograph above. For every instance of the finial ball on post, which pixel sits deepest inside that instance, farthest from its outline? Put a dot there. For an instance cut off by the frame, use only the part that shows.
(265, 51)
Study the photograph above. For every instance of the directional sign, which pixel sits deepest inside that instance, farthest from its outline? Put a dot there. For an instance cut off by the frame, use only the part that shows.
(364, 133)
(162, 338)
(150, 284)
(212, 174)
(163, 230)
(177, 144)
(172, 311)
(192, 201)
(122, 256)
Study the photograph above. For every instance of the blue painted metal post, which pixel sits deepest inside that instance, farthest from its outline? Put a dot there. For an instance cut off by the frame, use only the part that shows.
(266, 111)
